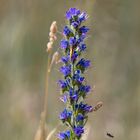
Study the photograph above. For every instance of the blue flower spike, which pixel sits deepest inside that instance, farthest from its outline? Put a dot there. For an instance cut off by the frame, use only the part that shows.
(73, 86)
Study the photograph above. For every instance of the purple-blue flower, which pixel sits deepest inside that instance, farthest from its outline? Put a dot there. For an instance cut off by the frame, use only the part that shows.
(78, 78)
(78, 71)
(73, 95)
(79, 117)
(84, 88)
(79, 130)
(64, 135)
(65, 59)
(81, 38)
(83, 16)
(75, 24)
(62, 84)
(82, 47)
(72, 12)
(84, 108)
(72, 41)
(83, 29)
(74, 56)
(65, 115)
(64, 44)
(64, 98)
(83, 64)
(66, 70)
(88, 108)
(66, 31)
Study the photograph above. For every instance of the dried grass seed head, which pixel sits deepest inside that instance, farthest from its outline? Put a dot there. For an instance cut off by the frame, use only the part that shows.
(49, 46)
(53, 27)
(52, 35)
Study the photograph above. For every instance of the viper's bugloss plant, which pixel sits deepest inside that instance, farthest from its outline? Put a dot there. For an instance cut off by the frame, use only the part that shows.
(74, 87)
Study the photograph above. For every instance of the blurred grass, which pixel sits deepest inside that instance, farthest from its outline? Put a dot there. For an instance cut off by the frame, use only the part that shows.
(113, 47)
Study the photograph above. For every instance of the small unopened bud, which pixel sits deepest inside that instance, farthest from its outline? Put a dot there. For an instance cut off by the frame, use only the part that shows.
(98, 106)
(49, 46)
(53, 27)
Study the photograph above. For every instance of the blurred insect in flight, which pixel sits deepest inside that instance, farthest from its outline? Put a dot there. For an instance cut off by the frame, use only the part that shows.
(110, 135)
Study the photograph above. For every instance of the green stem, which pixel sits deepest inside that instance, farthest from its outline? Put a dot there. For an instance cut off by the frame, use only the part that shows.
(73, 106)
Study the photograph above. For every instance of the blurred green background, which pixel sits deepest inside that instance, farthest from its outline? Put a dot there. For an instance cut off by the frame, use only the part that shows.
(113, 47)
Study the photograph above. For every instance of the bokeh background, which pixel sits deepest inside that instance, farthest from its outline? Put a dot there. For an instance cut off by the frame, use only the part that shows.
(113, 47)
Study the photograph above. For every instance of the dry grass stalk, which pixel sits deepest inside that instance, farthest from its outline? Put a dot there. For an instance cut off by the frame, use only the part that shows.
(41, 132)
(55, 59)
(53, 30)
(51, 134)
